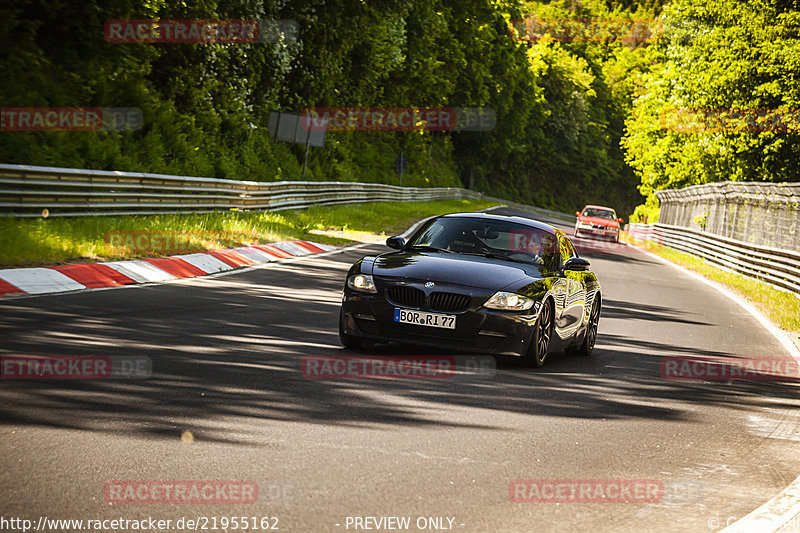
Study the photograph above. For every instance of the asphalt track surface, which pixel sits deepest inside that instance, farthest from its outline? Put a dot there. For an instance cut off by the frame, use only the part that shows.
(226, 355)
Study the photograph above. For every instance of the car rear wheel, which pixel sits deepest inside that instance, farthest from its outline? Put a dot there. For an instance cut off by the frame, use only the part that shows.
(587, 346)
(348, 341)
(540, 341)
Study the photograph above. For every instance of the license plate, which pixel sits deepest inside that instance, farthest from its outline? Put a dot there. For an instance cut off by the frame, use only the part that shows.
(421, 318)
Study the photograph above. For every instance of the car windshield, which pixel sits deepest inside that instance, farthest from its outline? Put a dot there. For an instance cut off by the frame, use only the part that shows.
(599, 213)
(495, 239)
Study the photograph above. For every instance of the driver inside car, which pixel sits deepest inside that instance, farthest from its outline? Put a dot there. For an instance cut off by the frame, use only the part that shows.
(527, 246)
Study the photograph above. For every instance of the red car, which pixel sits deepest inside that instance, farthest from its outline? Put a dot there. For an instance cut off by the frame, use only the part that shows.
(598, 221)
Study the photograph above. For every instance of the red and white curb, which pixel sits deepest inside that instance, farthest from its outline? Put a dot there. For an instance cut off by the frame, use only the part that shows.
(66, 278)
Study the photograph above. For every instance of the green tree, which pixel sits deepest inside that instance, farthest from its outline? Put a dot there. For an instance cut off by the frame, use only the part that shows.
(718, 56)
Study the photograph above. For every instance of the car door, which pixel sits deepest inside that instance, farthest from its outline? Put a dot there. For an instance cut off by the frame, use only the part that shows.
(574, 291)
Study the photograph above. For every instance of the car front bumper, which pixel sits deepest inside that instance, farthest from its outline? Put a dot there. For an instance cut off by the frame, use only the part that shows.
(596, 231)
(477, 330)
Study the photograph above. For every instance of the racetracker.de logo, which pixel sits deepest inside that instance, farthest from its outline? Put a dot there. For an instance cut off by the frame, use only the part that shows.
(365, 367)
(193, 491)
(729, 369)
(74, 367)
(629, 32)
(152, 241)
(398, 119)
(729, 120)
(164, 31)
(452, 367)
(70, 119)
(586, 491)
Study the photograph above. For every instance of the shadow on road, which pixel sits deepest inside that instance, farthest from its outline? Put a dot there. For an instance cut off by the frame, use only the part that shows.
(231, 348)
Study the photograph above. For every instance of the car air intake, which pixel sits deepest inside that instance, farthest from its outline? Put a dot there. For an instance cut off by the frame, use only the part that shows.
(449, 301)
(408, 296)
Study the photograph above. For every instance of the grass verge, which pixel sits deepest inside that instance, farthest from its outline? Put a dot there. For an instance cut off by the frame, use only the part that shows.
(54, 241)
(781, 307)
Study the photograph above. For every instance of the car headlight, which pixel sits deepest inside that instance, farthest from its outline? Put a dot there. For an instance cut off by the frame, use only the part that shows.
(584, 225)
(362, 283)
(509, 301)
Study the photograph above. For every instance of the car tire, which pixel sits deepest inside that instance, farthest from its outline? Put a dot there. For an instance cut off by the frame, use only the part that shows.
(586, 347)
(540, 340)
(353, 342)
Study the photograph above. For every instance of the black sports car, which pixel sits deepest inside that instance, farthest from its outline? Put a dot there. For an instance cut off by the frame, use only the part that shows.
(472, 281)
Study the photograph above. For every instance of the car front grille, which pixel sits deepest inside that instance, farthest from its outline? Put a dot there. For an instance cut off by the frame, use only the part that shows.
(448, 301)
(437, 301)
(408, 296)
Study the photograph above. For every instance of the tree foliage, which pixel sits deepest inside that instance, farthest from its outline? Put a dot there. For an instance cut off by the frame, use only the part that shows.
(719, 60)
(560, 106)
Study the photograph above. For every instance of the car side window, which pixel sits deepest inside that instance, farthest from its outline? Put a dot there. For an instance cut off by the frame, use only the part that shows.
(566, 249)
(572, 252)
(427, 237)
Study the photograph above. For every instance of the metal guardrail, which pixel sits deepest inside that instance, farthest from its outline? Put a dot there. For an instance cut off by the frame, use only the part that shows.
(780, 268)
(755, 212)
(27, 191)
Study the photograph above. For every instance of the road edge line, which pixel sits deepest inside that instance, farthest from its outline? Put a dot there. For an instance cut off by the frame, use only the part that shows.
(765, 519)
(770, 516)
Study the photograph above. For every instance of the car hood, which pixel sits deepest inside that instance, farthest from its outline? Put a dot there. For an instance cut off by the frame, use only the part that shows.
(599, 221)
(473, 271)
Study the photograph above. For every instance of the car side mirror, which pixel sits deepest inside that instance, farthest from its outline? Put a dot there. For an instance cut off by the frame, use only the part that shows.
(576, 264)
(396, 242)
(620, 220)
(577, 213)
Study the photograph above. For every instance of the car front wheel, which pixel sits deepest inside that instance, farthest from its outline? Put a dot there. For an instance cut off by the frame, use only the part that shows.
(540, 341)
(587, 346)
